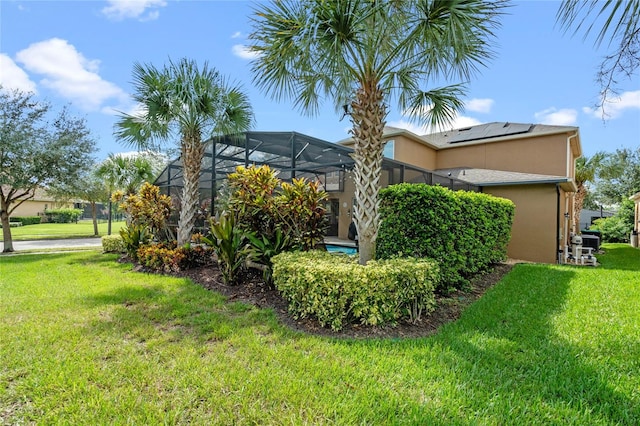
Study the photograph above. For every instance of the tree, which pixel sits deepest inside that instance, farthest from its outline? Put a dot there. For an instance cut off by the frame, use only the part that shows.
(365, 54)
(193, 104)
(618, 176)
(89, 188)
(619, 22)
(35, 153)
(586, 169)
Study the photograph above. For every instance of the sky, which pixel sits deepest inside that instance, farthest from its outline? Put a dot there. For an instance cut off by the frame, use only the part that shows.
(81, 54)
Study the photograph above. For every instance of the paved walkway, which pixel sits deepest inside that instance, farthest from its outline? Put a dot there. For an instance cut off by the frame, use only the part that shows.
(56, 244)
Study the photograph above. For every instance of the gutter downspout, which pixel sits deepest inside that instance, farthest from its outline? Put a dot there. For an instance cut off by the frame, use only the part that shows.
(559, 250)
(572, 177)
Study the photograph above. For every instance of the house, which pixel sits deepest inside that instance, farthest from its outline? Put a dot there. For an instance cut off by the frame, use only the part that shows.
(37, 205)
(636, 219)
(532, 165)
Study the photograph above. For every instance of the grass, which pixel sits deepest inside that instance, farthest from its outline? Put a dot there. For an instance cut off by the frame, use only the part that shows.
(88, 341)
(52, 231)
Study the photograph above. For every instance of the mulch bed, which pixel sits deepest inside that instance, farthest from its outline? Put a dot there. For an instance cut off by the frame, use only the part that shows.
(252, 290)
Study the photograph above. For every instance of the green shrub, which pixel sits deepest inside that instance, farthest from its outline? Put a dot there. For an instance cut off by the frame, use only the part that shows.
(27, 220)
(613, 229)
(229, 244)
(335, 289)
(264, 204)
(464, 232)
(63, 215)
(134, 236)
(166, 257)
(113, 244)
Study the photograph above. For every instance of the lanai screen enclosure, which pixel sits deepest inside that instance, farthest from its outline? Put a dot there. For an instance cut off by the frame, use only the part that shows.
(294, 155)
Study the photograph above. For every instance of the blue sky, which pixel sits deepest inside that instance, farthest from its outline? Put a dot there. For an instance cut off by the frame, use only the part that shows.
(81, 53)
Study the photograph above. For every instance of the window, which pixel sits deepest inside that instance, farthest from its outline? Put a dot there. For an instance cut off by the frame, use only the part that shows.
(389, 149)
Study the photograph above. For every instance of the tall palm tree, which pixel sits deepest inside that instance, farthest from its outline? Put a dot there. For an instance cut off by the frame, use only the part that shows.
(365, 54)
(586, 170)
(188, 103)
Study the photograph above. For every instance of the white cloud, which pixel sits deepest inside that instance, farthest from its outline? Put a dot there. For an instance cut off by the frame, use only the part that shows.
(67, 72)
(479, 105)
(557, 117)
(119, 10)
(458, 122)
(244, 52)
(615, 107)
(237, 34)
(14, 77)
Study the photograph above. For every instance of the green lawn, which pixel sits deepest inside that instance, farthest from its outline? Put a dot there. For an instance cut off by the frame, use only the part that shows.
(52, 231)
(85, 340)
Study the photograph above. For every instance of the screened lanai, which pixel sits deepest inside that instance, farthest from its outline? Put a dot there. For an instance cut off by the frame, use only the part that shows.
(294, 155)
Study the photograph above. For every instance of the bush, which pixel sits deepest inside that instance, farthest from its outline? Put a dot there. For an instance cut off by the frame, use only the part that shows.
(27, 220)
(335, 289)
(228, 243)
(166, 257)
(613, 229)
(63, 215)
(134, 236)
(264, 204)
(148, 207)
(113, 244)
(464, 232)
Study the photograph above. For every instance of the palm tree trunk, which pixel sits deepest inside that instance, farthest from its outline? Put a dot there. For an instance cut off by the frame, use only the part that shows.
(192, 153)
(368, 117)
(578, 203)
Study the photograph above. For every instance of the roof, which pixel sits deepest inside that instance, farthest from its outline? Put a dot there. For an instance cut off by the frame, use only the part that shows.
(480, 134)
(40, 194)
(492, 132)
(487, 177)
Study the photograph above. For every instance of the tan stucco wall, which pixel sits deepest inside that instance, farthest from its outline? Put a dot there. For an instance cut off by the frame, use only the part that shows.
(36, 208)
(546, 155)
(533, 235)
(413, 152)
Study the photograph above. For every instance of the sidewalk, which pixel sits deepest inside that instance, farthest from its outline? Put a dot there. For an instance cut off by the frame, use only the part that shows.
(56, 244)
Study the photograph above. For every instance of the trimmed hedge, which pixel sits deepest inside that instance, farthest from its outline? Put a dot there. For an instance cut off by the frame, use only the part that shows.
(336, 290)
(113, 244)
(26, 220)
(63, 215)
(465, 232)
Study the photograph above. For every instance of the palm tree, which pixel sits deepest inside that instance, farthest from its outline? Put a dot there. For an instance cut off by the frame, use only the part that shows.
(192, 104)
(364, 54)
(615, 20)
(586, 169)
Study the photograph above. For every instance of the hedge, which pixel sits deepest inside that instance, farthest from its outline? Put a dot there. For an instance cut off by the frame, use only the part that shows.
(26, 220)
(113, 244)
(63, 215)
(465, 232)
(335, 289)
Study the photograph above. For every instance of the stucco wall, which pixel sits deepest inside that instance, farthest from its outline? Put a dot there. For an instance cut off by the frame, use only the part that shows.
(413, 152)
(533, 235)
(546, 155)
(37, 208)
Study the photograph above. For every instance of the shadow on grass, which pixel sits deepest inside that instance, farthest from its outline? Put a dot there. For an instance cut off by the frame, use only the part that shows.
(509, 365)
(175, 312)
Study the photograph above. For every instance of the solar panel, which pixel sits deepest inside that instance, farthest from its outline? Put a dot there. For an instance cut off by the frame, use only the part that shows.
(487, 131)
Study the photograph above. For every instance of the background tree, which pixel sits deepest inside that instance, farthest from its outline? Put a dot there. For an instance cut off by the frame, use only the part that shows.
(191, 104)
(35, 153)
(90, 188)
(618, 176)
(586, 169)
(126, 173)
(366, 54)
(617, 21)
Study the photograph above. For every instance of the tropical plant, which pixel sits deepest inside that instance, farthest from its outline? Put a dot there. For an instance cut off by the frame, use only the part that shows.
(365, 54)
(192, 103)
(126, 173)
(133, 237)
(229, 245)
(262, 249)
(149, 207)
(35, 152)
(619, 22)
